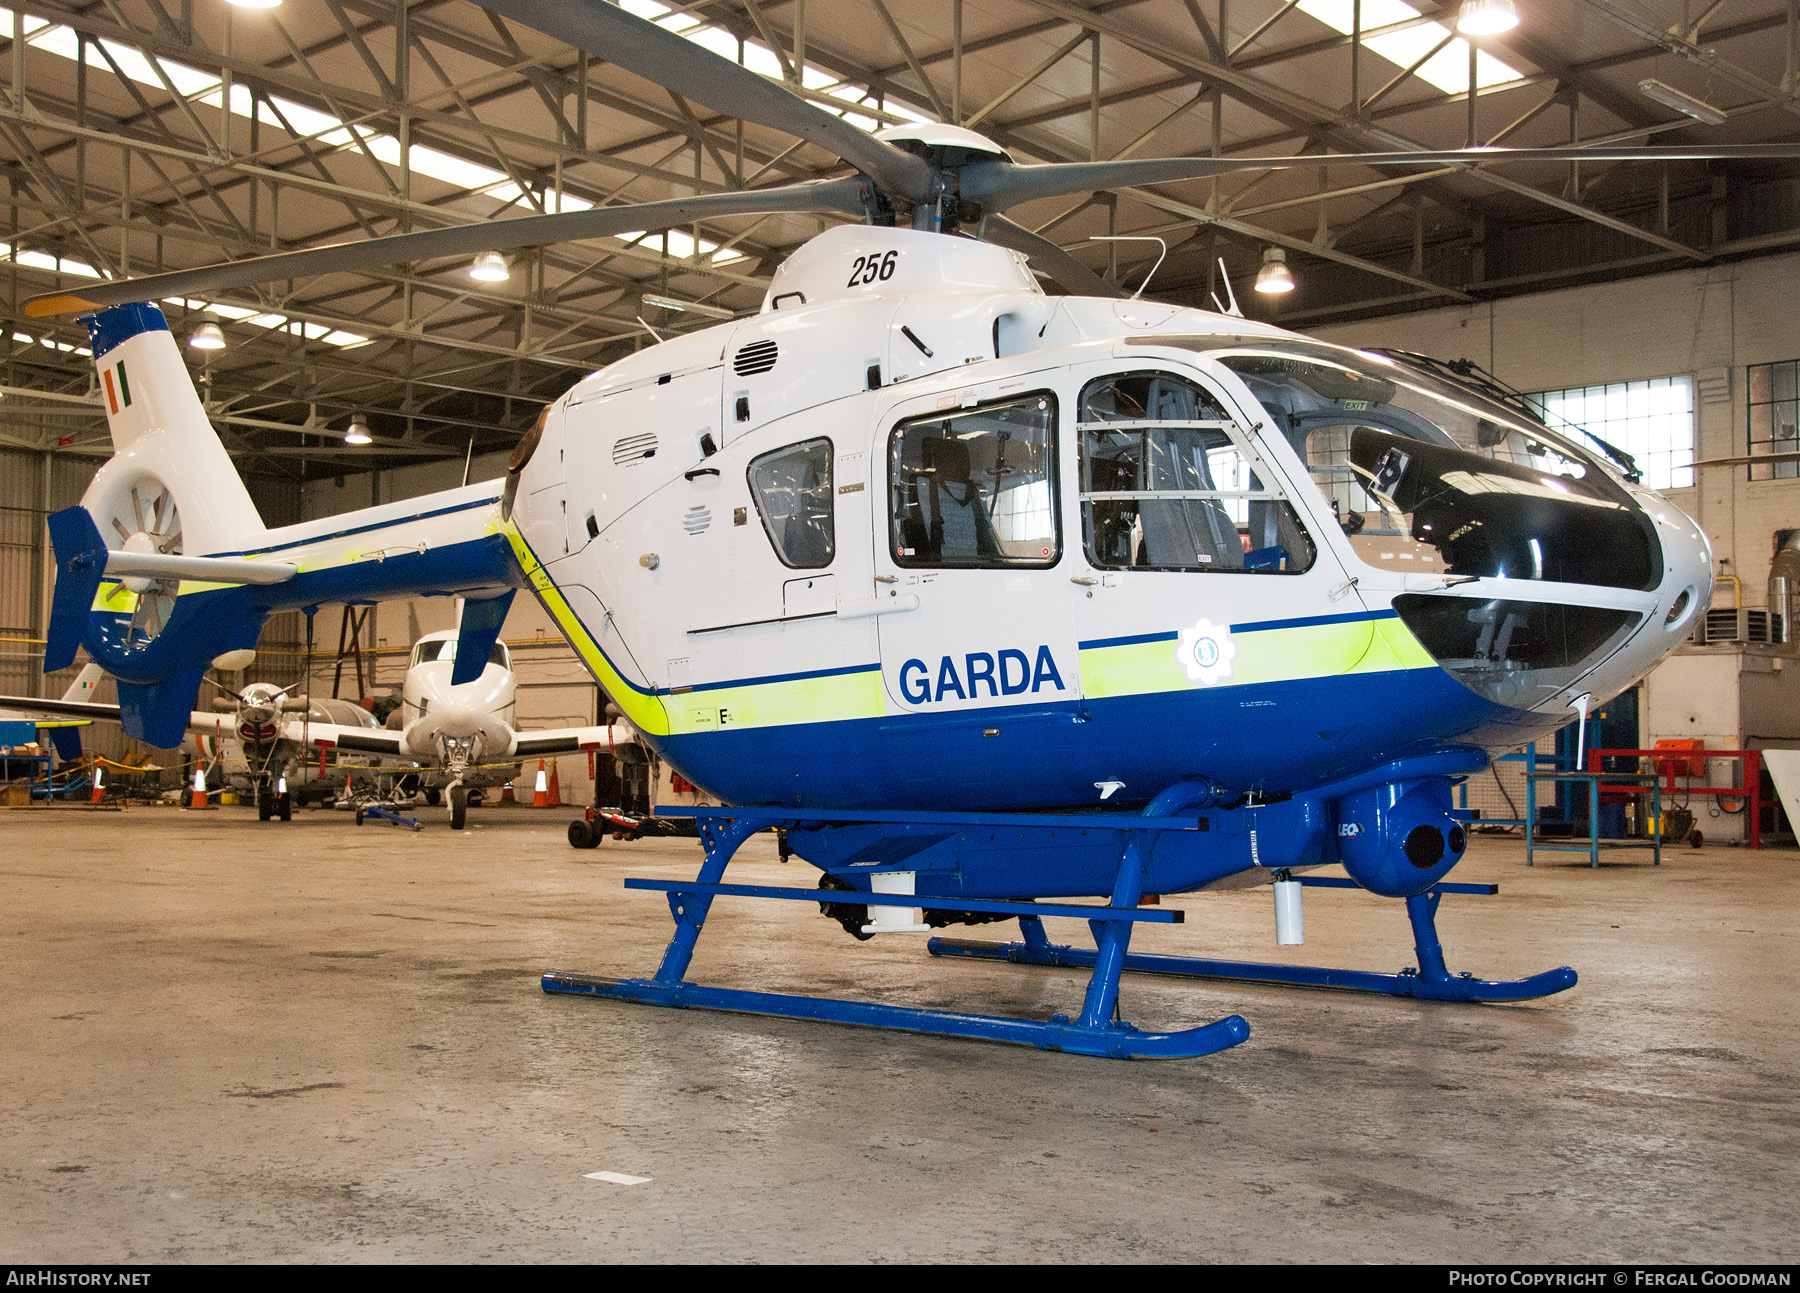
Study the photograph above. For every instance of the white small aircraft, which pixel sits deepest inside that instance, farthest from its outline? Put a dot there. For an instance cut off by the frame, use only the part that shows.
(450, 739)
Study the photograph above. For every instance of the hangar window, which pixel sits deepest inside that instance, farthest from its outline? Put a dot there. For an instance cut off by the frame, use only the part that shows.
(976, 487)
(1653, 421)
(1168, 482)
(1774, 418)
(792, 489)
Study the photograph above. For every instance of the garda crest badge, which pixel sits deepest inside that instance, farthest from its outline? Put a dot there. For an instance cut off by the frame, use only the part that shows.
(1206, 652)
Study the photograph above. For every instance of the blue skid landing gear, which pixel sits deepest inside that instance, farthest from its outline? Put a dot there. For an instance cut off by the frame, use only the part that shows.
(1093, 1032)
(1430, 979)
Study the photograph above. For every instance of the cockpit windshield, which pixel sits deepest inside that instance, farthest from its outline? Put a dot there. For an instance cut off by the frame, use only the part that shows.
(445, 649)
(1427, 478)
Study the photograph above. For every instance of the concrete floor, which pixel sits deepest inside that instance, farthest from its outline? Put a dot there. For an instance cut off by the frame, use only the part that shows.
(228, 1041)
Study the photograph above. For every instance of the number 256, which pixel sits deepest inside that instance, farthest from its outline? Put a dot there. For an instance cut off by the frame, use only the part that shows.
(874, 266)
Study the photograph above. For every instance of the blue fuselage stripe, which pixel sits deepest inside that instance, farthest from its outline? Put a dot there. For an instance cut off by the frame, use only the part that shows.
(1313, 621)
(775, 677)
(1256, 626)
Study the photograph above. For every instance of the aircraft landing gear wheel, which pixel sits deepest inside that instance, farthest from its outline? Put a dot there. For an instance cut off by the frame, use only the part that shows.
(582, 835)
(284, 804)
(434, 797)
(265, 806)
(459, 808)
(359, 817)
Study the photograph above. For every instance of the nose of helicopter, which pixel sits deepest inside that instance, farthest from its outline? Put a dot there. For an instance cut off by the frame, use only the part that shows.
(1544, 646)
(1684, 594)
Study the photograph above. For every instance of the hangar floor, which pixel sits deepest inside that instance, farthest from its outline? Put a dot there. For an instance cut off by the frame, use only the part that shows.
(238, 1042)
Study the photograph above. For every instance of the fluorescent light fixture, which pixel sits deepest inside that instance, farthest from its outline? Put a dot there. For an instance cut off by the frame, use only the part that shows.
(358, 432)
(1274, 277)
(689, 307)
(1686, 104)
(1486, 17)
(207, 334)
(490, 267)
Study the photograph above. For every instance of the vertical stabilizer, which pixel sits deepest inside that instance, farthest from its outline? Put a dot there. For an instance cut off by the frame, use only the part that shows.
(167, 456)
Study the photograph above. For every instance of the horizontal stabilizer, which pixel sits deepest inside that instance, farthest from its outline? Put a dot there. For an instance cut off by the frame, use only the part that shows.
(480, 629)
(218, 570)
(80, 564)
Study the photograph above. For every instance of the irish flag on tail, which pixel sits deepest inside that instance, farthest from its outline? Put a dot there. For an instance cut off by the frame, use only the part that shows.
(118, 387)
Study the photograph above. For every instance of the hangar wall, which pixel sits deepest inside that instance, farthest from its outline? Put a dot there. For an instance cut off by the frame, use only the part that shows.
(1709, 321)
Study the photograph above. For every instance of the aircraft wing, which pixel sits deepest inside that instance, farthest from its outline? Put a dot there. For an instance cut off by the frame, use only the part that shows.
(30, 708)
(572, 740)
(363, 740)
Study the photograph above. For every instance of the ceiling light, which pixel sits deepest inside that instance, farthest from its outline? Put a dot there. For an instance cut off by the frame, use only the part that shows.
(689, 307)
(207, 334)
(358, 432)
(1274, 276)
(490, 267)
(1687, 104)
(1486, 17)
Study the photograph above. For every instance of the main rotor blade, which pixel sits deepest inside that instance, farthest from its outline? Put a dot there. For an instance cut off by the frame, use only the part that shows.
(999, 185)
(462, 240)
(1075, 277)
(676, 63)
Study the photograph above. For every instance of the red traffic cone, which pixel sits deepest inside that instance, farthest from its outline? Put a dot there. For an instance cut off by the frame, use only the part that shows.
(99, 790)
(198, 799)
(555, 791)
(540, 794)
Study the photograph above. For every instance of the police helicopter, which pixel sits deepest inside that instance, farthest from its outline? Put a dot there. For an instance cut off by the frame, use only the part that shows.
(990, 600)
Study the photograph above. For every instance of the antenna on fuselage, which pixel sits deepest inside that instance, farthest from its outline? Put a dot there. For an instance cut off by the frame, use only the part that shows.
(1140, 237)
(1226, 275)
(468, 460)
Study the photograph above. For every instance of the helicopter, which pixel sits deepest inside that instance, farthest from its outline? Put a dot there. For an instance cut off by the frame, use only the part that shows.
(989, 600)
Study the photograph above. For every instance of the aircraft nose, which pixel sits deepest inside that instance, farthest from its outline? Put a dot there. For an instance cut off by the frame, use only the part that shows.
(1686, 588)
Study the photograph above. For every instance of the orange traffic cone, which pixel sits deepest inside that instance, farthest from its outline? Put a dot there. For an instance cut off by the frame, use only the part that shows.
(540, 795)
(555, 787)
(99, 790)
(199, 797)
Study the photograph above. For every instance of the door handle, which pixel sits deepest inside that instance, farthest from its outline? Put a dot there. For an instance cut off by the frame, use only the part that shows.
(873, 606)
(1084, 580)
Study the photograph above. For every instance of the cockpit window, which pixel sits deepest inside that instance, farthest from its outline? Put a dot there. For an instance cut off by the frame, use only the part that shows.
(1427, 479)
(1169, 482)
(445, 649)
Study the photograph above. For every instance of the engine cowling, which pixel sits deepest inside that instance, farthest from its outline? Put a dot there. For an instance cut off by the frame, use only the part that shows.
(1399, 839)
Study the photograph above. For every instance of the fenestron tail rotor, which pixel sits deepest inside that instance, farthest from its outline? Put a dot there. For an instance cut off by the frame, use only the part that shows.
(143, 517)
(948, 178)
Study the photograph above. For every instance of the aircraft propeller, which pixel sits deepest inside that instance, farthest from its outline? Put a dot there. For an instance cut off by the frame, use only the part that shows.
(947, 177)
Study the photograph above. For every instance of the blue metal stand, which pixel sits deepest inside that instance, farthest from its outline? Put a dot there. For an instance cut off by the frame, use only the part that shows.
(387, 815)
(1430, 979)
(1093, 1032)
